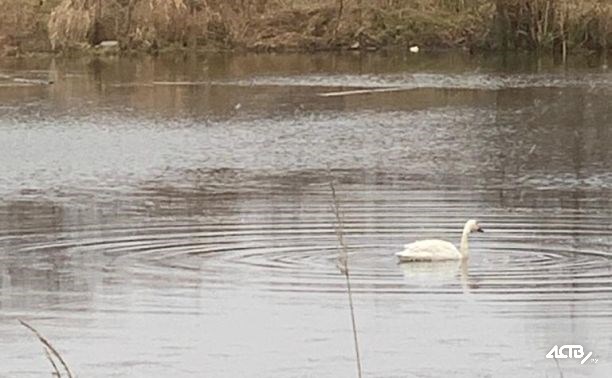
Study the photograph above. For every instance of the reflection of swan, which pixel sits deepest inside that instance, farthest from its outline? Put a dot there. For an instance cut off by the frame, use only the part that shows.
(440, 273)
(438, 250)
(426, 271)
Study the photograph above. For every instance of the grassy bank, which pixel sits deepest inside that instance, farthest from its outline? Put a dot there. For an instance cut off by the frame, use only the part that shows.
(154, 25)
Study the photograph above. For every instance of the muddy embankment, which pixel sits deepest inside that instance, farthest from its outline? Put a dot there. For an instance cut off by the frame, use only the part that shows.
(560, 26)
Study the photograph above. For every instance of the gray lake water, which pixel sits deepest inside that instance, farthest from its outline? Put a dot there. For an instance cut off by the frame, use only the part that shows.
(171, 216)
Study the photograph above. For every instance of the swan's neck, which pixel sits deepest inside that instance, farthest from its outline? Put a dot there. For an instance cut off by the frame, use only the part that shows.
(464, 248)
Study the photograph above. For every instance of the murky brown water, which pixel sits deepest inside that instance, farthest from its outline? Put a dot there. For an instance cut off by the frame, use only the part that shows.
(172, 216)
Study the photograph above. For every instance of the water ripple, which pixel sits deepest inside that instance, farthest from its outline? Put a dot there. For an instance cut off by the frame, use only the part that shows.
(524, 257)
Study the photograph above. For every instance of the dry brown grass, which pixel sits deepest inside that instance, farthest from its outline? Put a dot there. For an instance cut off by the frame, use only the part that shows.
(555, 24)
(309, 25)
(21, 27)
(252, 24)
(70, 24)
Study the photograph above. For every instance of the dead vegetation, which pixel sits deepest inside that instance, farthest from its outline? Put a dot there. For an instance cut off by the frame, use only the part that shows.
(52, 355)
(343, 265)
(22, 28)
(267, 24)
(70, 24)
(557, 25)
(153, 25)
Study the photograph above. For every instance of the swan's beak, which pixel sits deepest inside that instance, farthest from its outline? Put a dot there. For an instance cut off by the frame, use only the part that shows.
(479, 229)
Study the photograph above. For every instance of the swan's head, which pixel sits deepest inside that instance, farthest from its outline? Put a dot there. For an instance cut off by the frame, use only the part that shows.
(473, 226)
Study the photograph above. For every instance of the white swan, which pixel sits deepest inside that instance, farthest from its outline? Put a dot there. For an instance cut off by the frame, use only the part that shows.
(438, 250)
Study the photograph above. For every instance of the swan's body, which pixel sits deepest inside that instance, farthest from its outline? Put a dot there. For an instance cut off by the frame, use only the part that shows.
(429, 250)
(439, 250)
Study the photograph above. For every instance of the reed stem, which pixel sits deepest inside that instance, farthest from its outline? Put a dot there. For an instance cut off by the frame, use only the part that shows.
(344, 269)
(49, 349)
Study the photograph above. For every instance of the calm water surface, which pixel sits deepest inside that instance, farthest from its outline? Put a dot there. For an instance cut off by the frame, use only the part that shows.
(171, 216)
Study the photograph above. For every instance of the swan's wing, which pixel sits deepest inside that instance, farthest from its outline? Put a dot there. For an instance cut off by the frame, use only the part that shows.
(430, 246)
(428, 250)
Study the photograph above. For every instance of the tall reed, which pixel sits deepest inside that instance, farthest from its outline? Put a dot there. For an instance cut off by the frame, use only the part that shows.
(50, 351)
(343, 265)
(558, 25)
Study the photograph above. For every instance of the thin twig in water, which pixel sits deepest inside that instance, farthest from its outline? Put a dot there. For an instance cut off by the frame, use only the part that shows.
(55, 369)
(364, 91)
(559, 368)
(49, 347)
(344, 269)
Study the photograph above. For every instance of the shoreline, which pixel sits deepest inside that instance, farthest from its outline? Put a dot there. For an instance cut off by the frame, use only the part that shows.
(75, 27)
